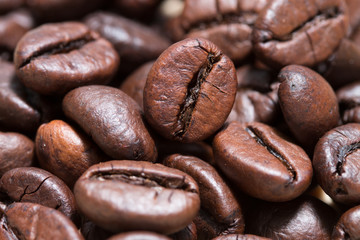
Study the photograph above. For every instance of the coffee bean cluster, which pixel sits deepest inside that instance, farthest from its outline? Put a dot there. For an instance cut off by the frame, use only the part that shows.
(180, 119)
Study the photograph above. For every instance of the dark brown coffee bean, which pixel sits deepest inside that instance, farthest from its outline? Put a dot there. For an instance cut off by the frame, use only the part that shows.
(240, 237)
(190, 90)
(65, 151)
(261, 162)
(136, 195)
(303, 218)
(91, 231)
(139, 235)
(308, 103)
(134, 84)
(32, 221)
(349, 101)
(30, 184)
(55, 58)
(113, 120)
(141, 9)
(135, 43)
(17, 114)
(348, 225)
(16, 150)
(225, 211)
(301, 32)
(8, 5)
(336, 163)
(188, 233)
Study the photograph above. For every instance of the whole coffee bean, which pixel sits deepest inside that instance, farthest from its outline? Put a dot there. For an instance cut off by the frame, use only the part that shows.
(134, 84)
(16, 150)
(17, 114)
(139, 235)
(113, 120)
(348, 225)
(261, 162)
(190, 90)
(349, 101)
(304, 32)
(300, 88)
(136, 195)
(303, 218)
(135, 43)
(240, 237)
(30, 184)
(216, 197)
(336, 163)
(65, 151)
(55, 58)
(32, 221)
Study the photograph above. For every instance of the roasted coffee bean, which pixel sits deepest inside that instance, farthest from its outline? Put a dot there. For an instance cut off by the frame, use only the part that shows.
(55, 58)
(302, 32)
(303, 218)
(190, 90)
(113, 120)
(228, 24)
(348, 225)
(32, 221)
(17, 114)
(251, 76)
(336, 163)
(354, 13)
(135, 43)
(91, 231)
(30, 184)
(139, 235)
(240, 237)
(136, 195)
(16, 150)
(141, 9)
(188, 233)
(261, 162)
(300, 88)
(134, 84)
(225, 212)
(349, 101)
(65, 151)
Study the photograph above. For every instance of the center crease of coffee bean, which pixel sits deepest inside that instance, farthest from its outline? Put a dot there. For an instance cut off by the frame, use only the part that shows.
(192, 95)
(62, 47)
(257, 138)
(343, 153)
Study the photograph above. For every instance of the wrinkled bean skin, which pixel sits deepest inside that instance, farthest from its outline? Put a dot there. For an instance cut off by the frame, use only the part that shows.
(189, 91)
(16, 150)
(303, 218)
(348, 225)
(257, 159)
(139, 235)
(336, 163)
(225, 210)
(113, 120)
(55, 58)
(30, 184)
(135, 195)
(32, 221)
(299, 88)
(65, 151)
(299, 32)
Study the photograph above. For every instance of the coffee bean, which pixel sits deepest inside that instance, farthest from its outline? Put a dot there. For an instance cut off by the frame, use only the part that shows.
(336, 165)
(136, 195)
(113, 120)
(261, 162)
(348, 225)
(300, 88)
(16, 150)
(65, 151)
(55, 58)
(240, 237)
(299, 32)
(8, 5)
(188, 233)
(189, 91)
(349, 101)
(30, 184)
(143, 235)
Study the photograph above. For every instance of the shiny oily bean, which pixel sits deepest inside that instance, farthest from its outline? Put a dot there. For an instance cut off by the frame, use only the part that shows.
(55, 58)
(113, 120)
(336, 163)
(225, 212)
(136, 195)
(30, 184)
(261, 162)
(348, 226)
(190, 90)
(32, 221)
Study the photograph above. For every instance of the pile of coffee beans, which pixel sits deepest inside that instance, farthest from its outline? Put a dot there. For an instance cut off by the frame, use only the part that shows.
(180, 119)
